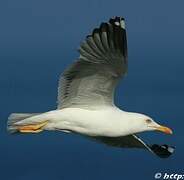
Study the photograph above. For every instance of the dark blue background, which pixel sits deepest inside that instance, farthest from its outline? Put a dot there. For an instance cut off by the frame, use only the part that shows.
(39, 38)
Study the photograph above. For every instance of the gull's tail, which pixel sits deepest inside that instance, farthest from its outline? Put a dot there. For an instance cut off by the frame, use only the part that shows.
(25, 123)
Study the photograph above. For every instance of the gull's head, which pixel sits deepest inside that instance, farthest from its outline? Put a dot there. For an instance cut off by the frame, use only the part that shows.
(145, 123)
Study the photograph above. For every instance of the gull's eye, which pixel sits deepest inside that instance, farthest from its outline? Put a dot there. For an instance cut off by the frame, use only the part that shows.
(148, 120)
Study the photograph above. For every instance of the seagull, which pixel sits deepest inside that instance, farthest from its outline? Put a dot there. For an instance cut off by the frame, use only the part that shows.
(86, 97)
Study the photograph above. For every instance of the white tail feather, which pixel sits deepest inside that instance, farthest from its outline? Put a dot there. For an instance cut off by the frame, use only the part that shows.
(16, 117)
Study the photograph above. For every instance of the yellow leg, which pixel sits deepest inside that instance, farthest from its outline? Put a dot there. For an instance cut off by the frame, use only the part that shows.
(33, 128)
(30, 131)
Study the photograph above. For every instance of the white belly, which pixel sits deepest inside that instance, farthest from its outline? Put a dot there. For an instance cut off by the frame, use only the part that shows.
(106, 122)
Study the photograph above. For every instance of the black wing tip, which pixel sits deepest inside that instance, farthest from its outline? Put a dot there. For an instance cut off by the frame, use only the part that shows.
(96, 30)
(103, 27)
(163, 151)
(108, 40)
(118, 21)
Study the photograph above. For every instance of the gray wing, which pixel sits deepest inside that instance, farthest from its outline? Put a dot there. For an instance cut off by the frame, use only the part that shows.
(92, 79)
(133, 141)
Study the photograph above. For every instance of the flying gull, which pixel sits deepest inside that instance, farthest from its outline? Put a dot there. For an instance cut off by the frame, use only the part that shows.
(86, 97)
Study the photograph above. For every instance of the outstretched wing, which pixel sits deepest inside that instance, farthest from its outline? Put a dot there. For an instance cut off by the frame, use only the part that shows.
(133, 141)
(92, 79)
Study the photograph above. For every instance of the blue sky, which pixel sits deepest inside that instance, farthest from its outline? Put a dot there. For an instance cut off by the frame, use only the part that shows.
(39, 38)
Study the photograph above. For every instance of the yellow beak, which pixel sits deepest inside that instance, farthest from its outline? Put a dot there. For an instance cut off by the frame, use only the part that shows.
(164, 129)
